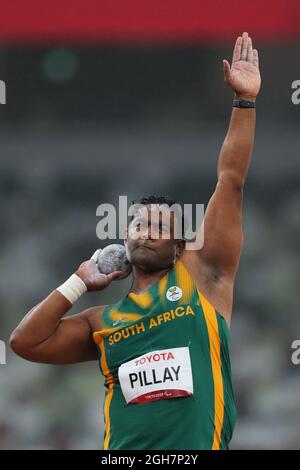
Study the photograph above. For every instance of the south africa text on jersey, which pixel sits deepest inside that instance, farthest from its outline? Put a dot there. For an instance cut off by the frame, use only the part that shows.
(153, 322)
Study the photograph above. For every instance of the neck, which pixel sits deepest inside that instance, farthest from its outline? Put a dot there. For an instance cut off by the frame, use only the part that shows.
(143, 280)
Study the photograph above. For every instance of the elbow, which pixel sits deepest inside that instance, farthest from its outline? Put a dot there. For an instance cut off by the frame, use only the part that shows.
(233, 179)
(22, 348)
(14, 342)
(17, 345)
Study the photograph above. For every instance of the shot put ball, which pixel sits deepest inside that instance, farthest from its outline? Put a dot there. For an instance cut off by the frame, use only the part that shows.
(113, 258)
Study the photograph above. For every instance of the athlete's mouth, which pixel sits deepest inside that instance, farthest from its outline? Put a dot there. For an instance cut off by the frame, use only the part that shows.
(144, 246)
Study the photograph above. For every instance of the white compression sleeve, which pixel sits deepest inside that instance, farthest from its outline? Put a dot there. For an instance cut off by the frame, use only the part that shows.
(73, 288)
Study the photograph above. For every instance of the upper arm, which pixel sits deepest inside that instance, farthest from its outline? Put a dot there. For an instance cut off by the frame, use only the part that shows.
(72, 342)
(223, 234)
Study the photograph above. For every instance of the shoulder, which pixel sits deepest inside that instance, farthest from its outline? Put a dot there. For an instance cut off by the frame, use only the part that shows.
(197, 267)
(93, 316)
(217, 289)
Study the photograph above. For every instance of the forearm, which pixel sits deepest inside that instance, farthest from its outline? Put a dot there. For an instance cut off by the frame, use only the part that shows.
(41, 322)
(236, 151)
(45, 319)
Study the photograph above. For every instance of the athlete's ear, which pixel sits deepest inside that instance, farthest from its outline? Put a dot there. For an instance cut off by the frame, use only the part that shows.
(180, 248)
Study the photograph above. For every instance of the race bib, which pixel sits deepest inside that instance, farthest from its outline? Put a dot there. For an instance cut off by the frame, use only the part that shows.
(157, 375)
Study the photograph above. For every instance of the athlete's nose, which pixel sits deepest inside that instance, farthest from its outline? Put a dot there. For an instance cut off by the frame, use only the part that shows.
(144, 232)
(145, 235)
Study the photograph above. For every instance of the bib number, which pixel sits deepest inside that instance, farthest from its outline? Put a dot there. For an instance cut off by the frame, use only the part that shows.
(157, 375)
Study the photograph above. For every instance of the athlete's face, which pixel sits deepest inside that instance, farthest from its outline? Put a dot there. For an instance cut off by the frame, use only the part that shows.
(150, 242)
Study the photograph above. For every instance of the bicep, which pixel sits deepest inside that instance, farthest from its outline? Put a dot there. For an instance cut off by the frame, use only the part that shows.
(71, 343)
(222, 229)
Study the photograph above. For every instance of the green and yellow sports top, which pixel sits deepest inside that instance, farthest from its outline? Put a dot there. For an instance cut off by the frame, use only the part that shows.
(165, 358)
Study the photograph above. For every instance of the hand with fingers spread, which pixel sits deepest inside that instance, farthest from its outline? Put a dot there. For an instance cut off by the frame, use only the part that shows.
(94, 280)
(243, 75)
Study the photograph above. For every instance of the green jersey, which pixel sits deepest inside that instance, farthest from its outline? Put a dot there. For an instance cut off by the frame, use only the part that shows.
(165, 358)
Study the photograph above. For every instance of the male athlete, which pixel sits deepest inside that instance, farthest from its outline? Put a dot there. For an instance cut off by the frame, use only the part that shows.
(164, 347)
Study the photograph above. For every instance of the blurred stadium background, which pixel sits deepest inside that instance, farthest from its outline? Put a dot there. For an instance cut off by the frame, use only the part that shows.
(128, 99)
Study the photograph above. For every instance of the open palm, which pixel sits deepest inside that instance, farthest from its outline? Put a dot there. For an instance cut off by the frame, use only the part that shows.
(243, 76)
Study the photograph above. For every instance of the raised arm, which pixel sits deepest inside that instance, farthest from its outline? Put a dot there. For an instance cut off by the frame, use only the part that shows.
(223, 235)
(218, 259)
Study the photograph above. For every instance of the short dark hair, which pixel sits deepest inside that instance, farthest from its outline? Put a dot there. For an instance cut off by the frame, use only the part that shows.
(154, 199)
(159, 199)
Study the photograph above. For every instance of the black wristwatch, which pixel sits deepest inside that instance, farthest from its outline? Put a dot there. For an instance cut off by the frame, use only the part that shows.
(243, 104)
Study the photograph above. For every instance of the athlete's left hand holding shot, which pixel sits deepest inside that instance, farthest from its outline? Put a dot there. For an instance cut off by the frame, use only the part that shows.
(164, 347)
